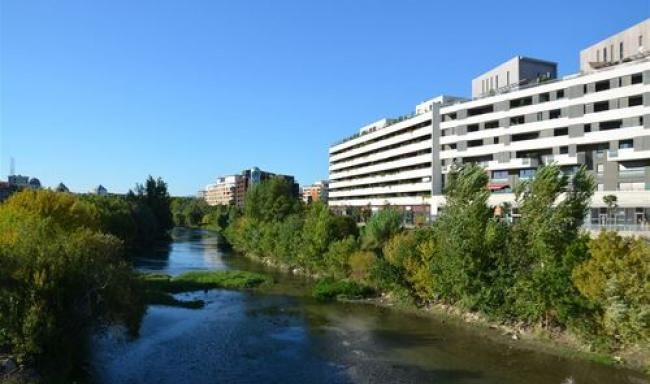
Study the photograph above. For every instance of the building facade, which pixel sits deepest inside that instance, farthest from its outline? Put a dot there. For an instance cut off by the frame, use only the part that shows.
(228, 190)
(599, 118)
(315, 192)
(231, 190)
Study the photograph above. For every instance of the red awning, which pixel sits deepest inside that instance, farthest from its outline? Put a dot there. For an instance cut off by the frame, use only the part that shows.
(497, 186)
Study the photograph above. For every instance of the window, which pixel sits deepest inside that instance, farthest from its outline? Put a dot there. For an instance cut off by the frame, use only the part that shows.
(640, 40)
(474, 143)
(496, 140)
(449, 116)
(598, 55)
(472, 128)
(633, 101)
(554, 114)
(629, 143)
(525, 136)
(602, 85)
(507, 78)
(492, 124)
(612, 124)
(521, 102)
(540, 116)
(604, 54)
(637, 78)
(601, 187)
(564, 150)
(620, 50)
(480, 110)
(496, 81)
(584, 89)
(516, 120)
(561, 132)
(499, 175)
(544, 97)
(601, 106)
(559, 94)
(526, 173)
(600, 169)
(587, 128)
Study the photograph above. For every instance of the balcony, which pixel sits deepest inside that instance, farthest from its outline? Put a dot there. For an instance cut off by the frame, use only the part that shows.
(512, 164)
(564, 159)
(627, 154)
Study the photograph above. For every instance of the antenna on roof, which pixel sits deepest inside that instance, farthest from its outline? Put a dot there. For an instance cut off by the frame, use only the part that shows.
(12, 166)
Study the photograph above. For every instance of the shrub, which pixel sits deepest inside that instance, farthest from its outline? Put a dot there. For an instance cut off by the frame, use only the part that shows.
(329, 289)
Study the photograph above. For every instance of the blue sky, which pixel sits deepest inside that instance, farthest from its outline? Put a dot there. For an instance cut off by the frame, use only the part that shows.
(110, 91)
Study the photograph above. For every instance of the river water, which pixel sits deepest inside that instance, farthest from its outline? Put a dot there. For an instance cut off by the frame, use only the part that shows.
(284, 336)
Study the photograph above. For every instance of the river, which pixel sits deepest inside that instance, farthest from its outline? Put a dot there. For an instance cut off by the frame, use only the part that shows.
(284, 336)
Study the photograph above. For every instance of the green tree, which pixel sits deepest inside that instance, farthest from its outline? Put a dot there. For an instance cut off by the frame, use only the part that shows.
(616, 277)
(379, 228)
(545, 241)
(59, 274)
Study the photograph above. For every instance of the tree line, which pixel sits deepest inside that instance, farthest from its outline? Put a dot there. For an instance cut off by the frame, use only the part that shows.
(64, 269)
(541, 271)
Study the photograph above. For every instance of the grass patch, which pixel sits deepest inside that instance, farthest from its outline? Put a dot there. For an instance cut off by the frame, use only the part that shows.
(159, 288)
(330, 289)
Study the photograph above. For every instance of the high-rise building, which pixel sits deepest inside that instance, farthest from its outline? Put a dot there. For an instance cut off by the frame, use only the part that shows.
(520, 116)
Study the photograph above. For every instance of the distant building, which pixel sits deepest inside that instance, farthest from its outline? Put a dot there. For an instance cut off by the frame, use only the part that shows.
(256, 176)
(19, 181)
(315, 192)
(231, 189)
(228, 190)
(100, 190)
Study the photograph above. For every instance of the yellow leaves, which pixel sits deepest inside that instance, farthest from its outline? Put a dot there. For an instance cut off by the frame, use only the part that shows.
(360, 264)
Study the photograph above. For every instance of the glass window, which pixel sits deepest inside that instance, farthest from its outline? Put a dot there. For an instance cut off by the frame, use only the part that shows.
(587, 128)
(600, 168)
(560, 94)
(564, 150)
(604, 54)
(500, 174)
(601, 187)
(526, 173)
(626, 144)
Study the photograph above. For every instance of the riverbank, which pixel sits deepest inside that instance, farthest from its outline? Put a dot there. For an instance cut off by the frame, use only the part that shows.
(554, 341)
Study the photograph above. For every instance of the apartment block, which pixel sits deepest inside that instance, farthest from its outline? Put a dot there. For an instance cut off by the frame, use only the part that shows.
(231, 189)
(599, 118)
(227, 190)
(315, 192)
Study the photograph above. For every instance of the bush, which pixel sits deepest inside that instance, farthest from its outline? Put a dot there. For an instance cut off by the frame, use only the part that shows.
(361, 263)
(330, 289)
(616, 277)
(59, 276)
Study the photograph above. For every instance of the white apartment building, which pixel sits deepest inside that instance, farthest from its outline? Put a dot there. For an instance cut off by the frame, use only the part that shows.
(520, 117)
(228, 190)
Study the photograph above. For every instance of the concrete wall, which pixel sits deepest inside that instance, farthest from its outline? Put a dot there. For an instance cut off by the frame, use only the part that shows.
(514, 71)
(631, 46)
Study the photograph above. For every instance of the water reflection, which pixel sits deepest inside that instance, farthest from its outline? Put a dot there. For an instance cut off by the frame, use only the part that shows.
(240, 337)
